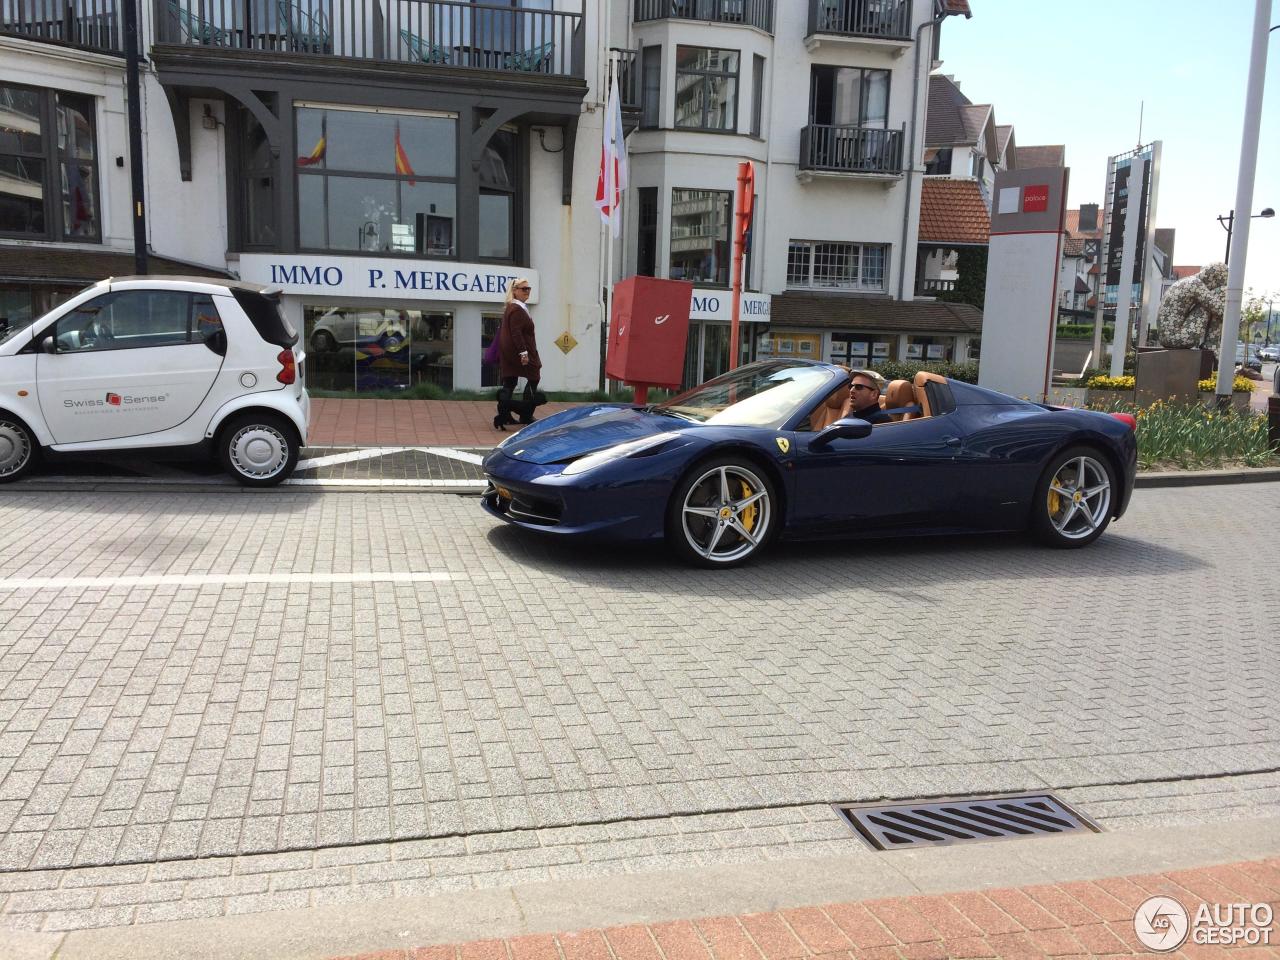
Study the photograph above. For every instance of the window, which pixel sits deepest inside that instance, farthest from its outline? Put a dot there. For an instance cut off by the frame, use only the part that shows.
(257, 184)
(412, 347)
(48, 165)
(706, 88)
(132, 319)
(700, 248)
(377, 181)
(939, 164)
(498, 197)
(977, 165)
(846, 266)
(651, 83)
(849, 96)
(757, 94)
(647, 241)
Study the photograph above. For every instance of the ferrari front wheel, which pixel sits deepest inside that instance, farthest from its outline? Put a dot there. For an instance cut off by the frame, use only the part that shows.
(722, 513)
(1074, 499)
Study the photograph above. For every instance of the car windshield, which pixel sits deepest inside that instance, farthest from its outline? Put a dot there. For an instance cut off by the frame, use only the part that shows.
(763, 394)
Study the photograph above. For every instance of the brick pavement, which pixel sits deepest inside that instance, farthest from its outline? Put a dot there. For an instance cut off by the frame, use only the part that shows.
(469, 423)
(540, 687)
(1081, 919)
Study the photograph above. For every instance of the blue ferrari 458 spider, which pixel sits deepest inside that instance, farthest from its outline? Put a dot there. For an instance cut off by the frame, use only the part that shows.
(768, 451)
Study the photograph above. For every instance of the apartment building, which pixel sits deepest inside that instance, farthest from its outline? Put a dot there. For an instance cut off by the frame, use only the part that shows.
(393, 165)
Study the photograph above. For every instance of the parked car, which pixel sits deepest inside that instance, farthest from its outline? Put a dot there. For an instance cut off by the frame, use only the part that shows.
(722, 470)
(1269, 354)
(168, 364)
(338, 328)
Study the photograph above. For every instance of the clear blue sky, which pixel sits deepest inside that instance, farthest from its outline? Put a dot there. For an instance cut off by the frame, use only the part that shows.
(1075, 73)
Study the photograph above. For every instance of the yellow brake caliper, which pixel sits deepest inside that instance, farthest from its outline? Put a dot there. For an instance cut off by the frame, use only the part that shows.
(1054, 500)
(748, 516)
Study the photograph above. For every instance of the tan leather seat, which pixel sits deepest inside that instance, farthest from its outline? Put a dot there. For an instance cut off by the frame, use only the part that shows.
(900, 393)
(831, 409)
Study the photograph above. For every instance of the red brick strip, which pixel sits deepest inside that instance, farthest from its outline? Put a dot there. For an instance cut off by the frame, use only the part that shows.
(412, 423)
(1065, 920)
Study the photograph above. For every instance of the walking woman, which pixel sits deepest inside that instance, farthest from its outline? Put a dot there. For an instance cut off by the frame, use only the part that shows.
(517, 354)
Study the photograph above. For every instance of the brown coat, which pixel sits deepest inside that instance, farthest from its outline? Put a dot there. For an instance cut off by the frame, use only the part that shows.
(515, 335)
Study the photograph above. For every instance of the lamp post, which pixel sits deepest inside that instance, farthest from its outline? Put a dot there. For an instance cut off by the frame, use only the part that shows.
(1229, 221)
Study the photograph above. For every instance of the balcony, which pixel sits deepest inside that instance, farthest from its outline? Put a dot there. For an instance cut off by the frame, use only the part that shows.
(860, 23)
(932, 287)
(751, 13)
(87, 24)
(865, 153)
(441, 33)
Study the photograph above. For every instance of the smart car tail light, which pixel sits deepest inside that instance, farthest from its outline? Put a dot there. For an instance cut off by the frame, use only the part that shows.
(1127, 418)
(288, 367)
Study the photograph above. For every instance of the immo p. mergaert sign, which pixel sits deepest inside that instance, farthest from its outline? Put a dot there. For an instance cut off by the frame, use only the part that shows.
(384, 279)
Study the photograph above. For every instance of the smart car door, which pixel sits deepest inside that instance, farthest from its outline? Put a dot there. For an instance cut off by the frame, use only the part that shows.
(127, 364)
(902, 475)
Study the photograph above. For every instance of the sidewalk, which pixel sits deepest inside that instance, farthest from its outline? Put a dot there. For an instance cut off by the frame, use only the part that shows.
(364, 423)
(1081, 919)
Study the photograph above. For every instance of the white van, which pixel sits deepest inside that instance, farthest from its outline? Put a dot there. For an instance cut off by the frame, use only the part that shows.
(157, 364)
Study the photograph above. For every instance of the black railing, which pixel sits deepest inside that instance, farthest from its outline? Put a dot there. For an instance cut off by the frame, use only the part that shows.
(883, 19)
(845, 149)
(753, 13)
(95, 24)
(450, 33)
(927, 287)
(628, 77)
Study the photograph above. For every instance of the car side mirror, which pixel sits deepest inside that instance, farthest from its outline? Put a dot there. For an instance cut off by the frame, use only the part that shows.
(48, 345)
(850, 428)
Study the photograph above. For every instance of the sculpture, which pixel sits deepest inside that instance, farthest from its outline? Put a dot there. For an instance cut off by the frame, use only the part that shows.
(1191, 312)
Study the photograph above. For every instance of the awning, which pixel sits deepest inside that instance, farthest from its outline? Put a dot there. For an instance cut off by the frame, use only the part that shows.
(50, 264)
(843, 312)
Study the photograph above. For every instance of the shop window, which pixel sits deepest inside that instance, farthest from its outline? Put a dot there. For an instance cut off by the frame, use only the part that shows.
(378, 181)
(805, 346)
(48, 165)
(706, 89)
(930, 349)
(825, 265)
(700, 249)
(861, 350)
(353, 349)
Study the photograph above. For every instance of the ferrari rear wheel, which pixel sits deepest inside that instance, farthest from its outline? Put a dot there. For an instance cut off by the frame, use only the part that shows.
(1074, 498)
(722, 513)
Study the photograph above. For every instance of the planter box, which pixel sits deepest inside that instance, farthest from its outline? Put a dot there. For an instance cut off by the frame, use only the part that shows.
(1239, 400)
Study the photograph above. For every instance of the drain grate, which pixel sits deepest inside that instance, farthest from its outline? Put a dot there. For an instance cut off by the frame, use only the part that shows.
(897, 825)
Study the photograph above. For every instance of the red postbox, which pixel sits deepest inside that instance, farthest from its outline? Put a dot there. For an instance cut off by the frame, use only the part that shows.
(648, 328)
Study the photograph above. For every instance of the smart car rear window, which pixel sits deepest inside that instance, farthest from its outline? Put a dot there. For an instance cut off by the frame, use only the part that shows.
(266, 316)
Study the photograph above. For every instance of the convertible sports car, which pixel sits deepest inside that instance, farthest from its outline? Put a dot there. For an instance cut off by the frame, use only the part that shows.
(765, 451)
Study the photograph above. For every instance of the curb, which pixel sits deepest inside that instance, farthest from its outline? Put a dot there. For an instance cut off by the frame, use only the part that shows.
(1205, 478)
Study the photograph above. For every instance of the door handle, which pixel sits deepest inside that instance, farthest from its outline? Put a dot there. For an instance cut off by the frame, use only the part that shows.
(952, 441)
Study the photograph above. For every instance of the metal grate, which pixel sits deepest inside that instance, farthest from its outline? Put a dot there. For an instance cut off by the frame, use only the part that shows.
(897, 825)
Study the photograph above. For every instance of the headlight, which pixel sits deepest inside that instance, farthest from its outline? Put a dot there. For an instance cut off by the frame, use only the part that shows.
(629, 449)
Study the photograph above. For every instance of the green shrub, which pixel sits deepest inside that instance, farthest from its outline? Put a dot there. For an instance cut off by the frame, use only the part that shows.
(1083, 331)
(906, 370)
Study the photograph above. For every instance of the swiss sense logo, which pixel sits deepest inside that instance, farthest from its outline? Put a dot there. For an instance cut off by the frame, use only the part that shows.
(113, 399)
(1035, 199)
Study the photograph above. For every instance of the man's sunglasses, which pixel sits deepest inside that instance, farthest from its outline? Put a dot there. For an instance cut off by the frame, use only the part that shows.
(863, 386)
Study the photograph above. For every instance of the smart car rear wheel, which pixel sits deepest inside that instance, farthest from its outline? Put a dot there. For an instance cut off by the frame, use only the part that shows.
(722, 513)
(258, 450)
(17, 448)
(1074, 499)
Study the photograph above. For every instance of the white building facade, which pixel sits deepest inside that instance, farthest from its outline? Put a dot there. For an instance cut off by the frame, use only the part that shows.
(394, 167)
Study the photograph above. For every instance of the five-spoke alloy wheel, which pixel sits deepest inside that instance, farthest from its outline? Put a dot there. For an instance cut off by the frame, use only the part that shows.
(722, 512)
(259, 451)
(1074, 499)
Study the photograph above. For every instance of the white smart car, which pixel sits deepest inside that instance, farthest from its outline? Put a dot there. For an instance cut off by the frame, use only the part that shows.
(167, 364)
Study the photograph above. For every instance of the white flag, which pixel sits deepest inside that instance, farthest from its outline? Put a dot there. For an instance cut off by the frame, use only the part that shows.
(612, 181)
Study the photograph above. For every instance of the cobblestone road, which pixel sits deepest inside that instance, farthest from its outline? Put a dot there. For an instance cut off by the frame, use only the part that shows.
(240, 676)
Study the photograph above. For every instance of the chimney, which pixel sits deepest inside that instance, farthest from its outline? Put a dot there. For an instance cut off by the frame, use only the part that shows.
(1088, 216)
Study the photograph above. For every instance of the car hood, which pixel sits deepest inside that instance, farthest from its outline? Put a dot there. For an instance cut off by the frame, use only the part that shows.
(576, 433)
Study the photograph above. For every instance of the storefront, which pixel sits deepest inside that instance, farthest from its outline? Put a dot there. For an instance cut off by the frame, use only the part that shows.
(707, 352)
(373, 324)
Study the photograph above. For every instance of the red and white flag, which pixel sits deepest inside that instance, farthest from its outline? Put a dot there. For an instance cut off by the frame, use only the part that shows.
(612, 181)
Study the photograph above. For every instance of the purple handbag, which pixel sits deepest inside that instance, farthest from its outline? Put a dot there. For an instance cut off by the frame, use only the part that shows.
(491, 354)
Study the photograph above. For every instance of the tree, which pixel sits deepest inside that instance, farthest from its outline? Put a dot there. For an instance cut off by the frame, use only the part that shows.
(971, 284)
(1254, 315)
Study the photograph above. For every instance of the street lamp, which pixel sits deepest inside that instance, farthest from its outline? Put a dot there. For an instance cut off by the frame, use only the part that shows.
(1229, 221)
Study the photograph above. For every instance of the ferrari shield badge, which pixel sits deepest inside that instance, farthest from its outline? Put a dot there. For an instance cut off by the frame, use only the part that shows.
(783, 444)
